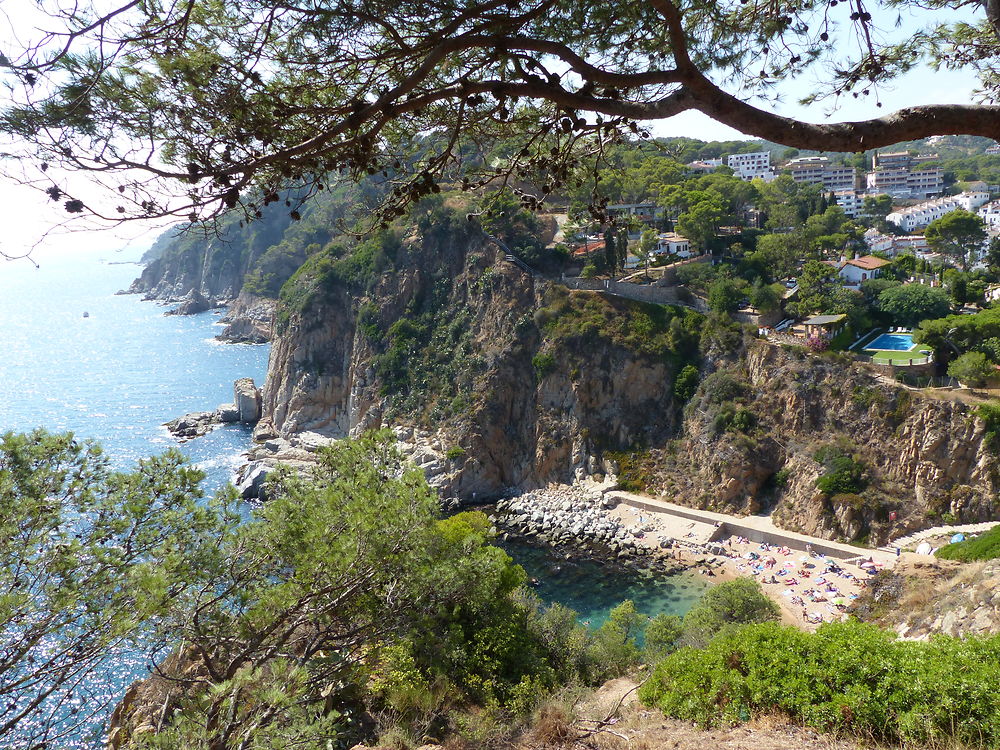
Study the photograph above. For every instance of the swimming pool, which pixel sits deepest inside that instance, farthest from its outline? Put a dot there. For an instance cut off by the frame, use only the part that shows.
(892, 342)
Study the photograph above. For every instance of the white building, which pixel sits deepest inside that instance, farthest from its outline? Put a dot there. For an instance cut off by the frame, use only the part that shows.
(894, 245)
(751, 166)
(853, 272)
(849, 200)
(818, 170)
(900, 175)
(704, 165)
(990, 214)
(993, 150)
(922, 214)
(670, 243)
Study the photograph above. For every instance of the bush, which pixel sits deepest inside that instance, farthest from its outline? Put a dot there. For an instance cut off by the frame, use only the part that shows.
(972, 368)
(589, 271)
(454, 453)
(843, 476)
(845, 677)
(738, 602)
(722, 386)
(662, 634)
(686, 383)
(615, 646)
(544, 363)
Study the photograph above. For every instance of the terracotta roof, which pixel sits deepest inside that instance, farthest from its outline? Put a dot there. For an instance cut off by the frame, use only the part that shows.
(868, 262)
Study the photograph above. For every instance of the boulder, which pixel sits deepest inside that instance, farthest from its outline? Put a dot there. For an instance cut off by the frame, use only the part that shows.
(228, 413)
(251, 486)
(192, 425)
(195, 302)
(247, 400)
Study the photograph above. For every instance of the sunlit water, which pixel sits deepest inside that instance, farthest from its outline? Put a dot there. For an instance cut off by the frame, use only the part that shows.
(115, 375)
(119, 373)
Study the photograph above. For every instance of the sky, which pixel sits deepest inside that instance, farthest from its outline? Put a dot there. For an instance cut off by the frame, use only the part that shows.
(31, 221)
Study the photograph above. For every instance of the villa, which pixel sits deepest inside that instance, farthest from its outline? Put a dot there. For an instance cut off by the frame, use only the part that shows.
(854, 271)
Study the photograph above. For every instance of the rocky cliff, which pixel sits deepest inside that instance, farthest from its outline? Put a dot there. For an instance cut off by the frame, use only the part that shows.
(494, 378)
(917, 458)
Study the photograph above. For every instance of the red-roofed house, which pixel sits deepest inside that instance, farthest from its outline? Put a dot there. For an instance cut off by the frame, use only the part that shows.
(853, 272)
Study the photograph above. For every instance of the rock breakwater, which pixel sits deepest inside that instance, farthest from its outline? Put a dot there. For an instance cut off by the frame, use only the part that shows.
(573, 515)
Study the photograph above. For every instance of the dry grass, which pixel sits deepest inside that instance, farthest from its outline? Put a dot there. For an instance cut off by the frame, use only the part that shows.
(553, 726)
(966, 574)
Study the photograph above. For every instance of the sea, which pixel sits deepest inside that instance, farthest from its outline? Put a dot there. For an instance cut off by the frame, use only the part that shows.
(78, 357)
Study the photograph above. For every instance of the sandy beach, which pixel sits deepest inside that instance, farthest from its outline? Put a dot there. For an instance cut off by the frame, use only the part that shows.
(809, 588)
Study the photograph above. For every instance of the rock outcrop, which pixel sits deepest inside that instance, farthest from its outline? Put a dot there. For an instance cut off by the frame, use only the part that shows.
(247, 400)
(194, 302)
(193, 425)
(923, 596)
(520, 409)
(249, 320)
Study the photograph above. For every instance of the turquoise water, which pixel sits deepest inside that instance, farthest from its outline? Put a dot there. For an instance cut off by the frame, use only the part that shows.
(592, 587)
(892, 342)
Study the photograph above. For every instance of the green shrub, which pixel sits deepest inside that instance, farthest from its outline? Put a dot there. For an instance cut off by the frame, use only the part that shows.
(686, 383)
(614, 649)
(848, 677)
(732, 603)
(662, 634)
(589, 271)
(844, 475)
(990, 414)
(986, 546)
(722, 386)
(636, 469)
(454, 453)
(972, 368)
(544, 363)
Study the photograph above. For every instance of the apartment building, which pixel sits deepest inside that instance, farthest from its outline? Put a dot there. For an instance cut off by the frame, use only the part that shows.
(751, 166)
(922, 214)
(893, 245)
(901, 175)
(818, 170)
(990, 214)
(849, 200)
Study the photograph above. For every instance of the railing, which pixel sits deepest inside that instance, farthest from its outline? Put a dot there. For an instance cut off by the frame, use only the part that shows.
(509, 255)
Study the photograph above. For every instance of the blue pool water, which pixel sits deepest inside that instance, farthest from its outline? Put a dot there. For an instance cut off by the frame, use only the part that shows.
(893, 342)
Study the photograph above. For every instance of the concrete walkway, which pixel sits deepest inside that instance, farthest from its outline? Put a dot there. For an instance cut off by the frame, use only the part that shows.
(754, 528)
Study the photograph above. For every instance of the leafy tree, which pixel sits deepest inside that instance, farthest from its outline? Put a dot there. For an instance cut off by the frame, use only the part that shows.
(610, 251)
(90, 561)
(766, 298)
(726, 294)
(958, 233)
(616, 644)
(686, 383)
(876, 207)
(992, 258)
(416, 85)
(732, 603)
(818, 284)
(908, 305)
(959, 332)
(700, 222)
(777, 256)
(662, 634)
(972, 368)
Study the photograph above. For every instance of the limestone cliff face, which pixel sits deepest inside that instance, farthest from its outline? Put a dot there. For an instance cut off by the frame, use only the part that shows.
(498, 421)
(924, 457)
(457, 351)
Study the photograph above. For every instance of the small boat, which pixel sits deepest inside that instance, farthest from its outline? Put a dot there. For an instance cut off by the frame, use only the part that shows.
(86, 314)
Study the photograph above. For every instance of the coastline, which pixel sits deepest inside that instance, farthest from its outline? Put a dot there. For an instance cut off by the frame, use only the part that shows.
(809, 589)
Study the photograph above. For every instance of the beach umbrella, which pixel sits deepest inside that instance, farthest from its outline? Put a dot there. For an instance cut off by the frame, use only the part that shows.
(840, 600)
(958, 538)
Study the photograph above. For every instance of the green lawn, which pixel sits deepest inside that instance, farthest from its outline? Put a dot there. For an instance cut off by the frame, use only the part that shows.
(883, 357)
